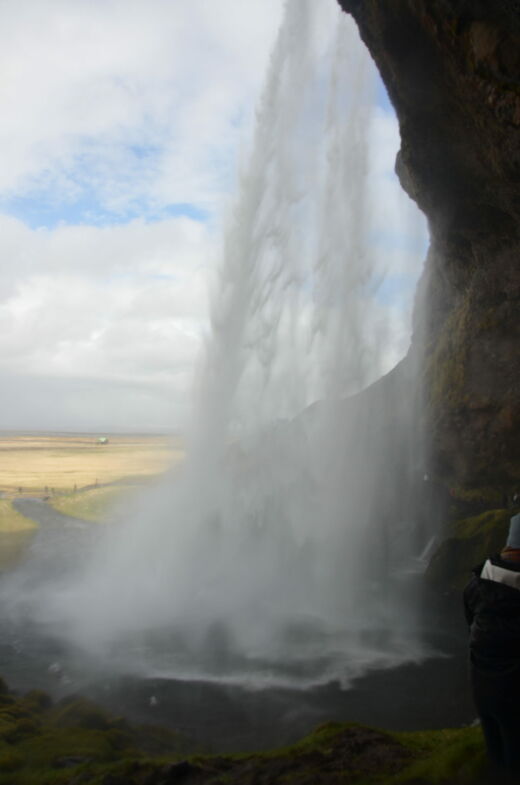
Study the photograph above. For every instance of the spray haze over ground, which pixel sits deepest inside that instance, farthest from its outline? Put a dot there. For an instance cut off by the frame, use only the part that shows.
(274, 556)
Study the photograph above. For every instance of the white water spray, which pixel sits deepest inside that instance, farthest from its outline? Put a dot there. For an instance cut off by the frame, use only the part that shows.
(270, 559)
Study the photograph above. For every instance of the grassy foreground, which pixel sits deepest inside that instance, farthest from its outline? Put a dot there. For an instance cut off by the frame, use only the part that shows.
(74, 742)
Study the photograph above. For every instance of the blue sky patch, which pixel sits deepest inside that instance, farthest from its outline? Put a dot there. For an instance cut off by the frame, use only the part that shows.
(396, 290)
(382, 98)
(42, 211)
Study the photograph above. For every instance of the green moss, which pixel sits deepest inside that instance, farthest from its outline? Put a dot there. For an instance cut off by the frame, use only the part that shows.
(490, 526)
(81, 713)
(76, 741)
(445, 756)
(322, 736)
(446, 369)
(42, 743)
(50, 746)
(472, 540)
(10, 760)
(357, 755)
(438, 757)
(37, 701)
(15, 721)
(488, 497)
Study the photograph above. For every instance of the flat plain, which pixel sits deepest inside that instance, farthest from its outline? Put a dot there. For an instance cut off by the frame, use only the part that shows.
(77, 474)
(44, 464)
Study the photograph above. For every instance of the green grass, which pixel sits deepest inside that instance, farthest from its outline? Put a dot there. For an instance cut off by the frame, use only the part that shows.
(16, 532)
(43, 744)
(491, 525)
(93, 505)
(444, 756)
(11, 520)
(76, 741)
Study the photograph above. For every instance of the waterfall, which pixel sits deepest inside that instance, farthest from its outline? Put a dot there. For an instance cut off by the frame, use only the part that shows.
(274, 556)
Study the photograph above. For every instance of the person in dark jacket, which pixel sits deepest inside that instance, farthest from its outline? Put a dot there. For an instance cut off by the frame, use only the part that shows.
(492, 606)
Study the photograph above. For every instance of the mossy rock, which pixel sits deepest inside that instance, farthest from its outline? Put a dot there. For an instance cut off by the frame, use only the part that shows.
(471, 542)
(16, 721)
(335, 753)
(446, 367)
(10, 760)
(46, 744)
(454, 756)
(58, 746)
(50, 747)
(81, 713)
(37, 701)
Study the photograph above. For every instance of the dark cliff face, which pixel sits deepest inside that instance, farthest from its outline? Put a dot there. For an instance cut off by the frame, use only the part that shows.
(452, 70)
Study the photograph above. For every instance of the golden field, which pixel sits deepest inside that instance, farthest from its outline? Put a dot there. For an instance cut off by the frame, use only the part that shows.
(44, 465)
(78, 475)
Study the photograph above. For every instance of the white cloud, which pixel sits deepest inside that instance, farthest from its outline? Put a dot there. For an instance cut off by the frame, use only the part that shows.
(84, 83)
(118, 102)
(124, 305)
(125, 100)
(131, 105)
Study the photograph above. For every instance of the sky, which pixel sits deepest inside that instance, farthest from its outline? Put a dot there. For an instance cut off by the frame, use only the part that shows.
(122, 125)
